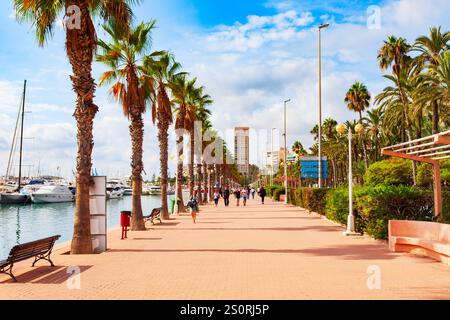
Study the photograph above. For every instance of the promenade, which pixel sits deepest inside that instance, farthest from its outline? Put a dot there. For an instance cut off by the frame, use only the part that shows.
(266, 251)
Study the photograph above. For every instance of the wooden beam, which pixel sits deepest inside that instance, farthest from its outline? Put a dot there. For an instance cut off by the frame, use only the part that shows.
(442, 140)
(437, 189)
(407, 156)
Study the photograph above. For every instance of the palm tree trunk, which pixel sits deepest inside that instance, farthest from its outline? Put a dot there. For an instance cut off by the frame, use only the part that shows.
(163, 138)
(80, 47)
(408, 124)
(199, 183)
(180, 142)
(435, 117)
(191, 162)
(366, 163)
(205, 182)
(137, 166)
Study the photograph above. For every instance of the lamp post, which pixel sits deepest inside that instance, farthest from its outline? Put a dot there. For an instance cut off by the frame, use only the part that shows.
(351, 218)
(322, 26)
(271, 159)
(285, 155)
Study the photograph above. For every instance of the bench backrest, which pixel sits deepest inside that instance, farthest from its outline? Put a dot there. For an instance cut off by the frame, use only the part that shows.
(420, 229)
(155, 212)
(30, 249)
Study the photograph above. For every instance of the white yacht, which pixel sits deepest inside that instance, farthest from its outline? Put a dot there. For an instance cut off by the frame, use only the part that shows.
(114, 192)
(52, 194)
(154, 190)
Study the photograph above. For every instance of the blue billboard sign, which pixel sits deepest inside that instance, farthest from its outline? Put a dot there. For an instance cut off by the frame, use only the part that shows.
(310, 167)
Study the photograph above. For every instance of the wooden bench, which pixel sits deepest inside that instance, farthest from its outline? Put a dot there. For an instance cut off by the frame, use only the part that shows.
(39, 250)
(420, 237)
(154, 215)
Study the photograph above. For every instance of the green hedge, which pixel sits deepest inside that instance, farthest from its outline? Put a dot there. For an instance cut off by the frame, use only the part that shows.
(312, 199)
(277, 192)
(373, 206)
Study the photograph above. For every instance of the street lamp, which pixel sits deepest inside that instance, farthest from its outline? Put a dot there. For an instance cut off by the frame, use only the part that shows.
(322, 26)
(271, 159)
(359, 129)
(285, 155)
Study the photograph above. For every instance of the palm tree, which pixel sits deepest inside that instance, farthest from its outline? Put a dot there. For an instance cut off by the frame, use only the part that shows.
(201, 114)
(430, 49)
(357, 100)
(181, 89)
(298, 148)
(374, 121)
(207, 130)
(122, 57)
(439, 78)
(394, 53)
(80, 48)
(161, 68)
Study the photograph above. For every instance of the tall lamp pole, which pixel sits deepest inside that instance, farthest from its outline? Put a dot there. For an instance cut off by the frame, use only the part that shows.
(285, 155)
(322, 26)
(271, 159)
(351, 218)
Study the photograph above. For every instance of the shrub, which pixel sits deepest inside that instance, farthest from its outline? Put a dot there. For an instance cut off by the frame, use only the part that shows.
(336, 207)
(391, 172)
(377, 205)
(277, 192)
(298, 197)
(270, 189)
(312, 199)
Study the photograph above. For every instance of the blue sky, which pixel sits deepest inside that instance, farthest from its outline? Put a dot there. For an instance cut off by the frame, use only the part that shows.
(250, 55)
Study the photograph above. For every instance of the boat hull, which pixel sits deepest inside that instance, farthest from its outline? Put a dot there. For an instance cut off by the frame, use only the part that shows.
(51, 198)
(6, 198)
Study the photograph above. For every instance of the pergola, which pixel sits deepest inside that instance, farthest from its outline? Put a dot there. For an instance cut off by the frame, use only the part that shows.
(431, 150)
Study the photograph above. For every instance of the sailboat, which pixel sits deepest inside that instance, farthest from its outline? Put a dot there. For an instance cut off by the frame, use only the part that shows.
(17, 197)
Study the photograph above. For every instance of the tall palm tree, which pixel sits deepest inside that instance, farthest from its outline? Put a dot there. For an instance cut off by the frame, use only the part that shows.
(161, 68)
(430, 49)
(181, 88)
(358, 100)
(394, 53)
(122, 56)
(198, 112)
(207, 130)
(298, 148)
(374, 121)
(440, 80)
(80, 48)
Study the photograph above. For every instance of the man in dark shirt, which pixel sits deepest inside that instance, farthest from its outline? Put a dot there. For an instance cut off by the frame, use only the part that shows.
(226, 196)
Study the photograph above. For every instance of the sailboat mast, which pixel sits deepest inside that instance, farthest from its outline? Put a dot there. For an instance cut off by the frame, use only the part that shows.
(21, 133)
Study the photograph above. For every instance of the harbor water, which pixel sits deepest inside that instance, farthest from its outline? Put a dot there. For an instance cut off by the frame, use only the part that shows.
(23, 223)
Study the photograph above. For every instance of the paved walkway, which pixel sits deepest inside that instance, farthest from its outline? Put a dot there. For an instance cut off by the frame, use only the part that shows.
(256, 252)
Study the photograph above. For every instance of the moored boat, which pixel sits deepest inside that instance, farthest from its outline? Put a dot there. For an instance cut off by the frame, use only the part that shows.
(52, 194)
(14, 198)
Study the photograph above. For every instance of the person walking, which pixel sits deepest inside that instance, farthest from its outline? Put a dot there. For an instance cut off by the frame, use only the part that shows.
(253, 193)
(216, 197)
(262, 194)
(244, 197)
(193, 207)
(237, 194)
(226, 196)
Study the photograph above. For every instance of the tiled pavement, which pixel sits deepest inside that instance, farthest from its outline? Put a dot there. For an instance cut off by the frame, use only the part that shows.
(266, 251)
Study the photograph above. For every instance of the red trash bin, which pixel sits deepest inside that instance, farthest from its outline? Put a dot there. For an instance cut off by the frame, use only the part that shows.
(125, 222)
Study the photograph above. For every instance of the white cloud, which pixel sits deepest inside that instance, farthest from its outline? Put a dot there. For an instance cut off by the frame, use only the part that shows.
(259, 30)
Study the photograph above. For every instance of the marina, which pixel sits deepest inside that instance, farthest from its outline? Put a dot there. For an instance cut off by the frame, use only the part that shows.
(23, 223)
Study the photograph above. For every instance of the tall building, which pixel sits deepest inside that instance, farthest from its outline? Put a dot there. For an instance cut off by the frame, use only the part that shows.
(242, 148)
(272, 160)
